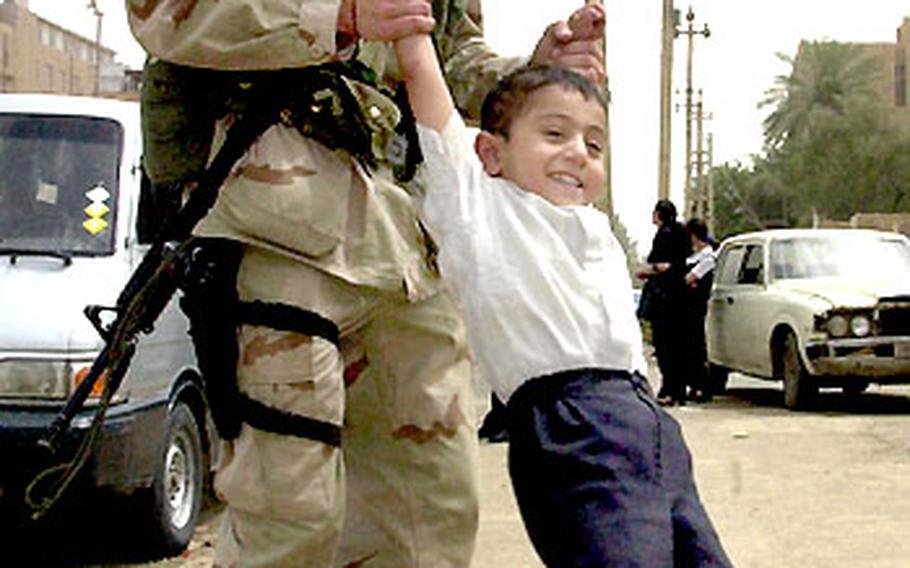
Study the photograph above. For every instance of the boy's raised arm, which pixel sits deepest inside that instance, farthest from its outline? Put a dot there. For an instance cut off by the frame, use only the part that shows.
(428, 93)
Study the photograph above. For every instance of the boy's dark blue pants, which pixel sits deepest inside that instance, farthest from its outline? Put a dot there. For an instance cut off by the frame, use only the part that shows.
(603, 477)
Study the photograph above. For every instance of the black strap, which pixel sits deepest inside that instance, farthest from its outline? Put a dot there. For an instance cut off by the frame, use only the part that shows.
(288, 318)
(268, 419)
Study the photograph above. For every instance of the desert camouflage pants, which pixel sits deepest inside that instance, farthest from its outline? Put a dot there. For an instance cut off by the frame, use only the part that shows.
(402, 491)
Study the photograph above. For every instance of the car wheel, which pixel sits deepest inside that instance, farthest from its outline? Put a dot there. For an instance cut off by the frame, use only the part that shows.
(797, 386)
(717, 379)
(176, 493)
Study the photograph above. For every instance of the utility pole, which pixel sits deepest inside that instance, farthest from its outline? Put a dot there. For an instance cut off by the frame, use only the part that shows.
(93, 6)
(709, 215)
(699, 207)
(668, 34)
(606, 202)
(690, 32)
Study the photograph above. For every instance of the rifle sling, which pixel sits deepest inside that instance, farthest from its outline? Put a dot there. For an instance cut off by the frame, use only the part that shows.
(269, 419)
(266, 418)
(288, 318)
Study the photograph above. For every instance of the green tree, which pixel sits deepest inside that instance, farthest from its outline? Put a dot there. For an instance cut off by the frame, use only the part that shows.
(833, 147)
(627, 243)
(826, 76)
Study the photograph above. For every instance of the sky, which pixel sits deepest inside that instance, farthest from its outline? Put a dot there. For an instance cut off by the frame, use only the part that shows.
(734, 67)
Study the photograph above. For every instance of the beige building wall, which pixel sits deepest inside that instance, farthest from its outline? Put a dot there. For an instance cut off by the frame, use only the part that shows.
(891, 63)
(39, 56)
(901, 72)
(883, 57)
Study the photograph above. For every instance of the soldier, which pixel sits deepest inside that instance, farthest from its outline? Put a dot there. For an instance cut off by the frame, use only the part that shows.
(316, 285)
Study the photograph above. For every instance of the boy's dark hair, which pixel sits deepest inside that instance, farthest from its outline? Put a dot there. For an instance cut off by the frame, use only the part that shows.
(666, 212)
(506, 100)
(697, 227)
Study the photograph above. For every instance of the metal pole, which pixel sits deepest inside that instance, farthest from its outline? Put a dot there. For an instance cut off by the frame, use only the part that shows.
(687, 185)
(607, 200)
(669, 33)
(710, 182)
(699, 157)
(691, 33)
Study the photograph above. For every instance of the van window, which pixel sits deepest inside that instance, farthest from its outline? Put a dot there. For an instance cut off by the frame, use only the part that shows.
(58, 183)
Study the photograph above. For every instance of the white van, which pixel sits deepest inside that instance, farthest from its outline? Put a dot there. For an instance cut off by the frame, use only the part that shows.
(70, 184)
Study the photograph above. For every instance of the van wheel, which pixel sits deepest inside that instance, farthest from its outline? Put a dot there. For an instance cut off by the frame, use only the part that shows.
(797, 383)
(176, 492)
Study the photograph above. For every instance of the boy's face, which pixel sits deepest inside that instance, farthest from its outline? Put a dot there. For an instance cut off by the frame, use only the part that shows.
(554, 149)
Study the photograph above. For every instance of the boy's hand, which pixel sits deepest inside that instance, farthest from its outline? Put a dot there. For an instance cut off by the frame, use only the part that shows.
(576, 44)
(388, 20)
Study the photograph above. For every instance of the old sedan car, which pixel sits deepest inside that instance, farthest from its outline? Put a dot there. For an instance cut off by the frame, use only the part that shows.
(812, 308)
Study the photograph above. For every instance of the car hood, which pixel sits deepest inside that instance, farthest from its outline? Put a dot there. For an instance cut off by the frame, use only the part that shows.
(846, 292)
(41, 302)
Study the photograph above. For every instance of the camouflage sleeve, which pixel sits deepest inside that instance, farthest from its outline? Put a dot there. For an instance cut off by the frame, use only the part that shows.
(236, 34)
(471, 67)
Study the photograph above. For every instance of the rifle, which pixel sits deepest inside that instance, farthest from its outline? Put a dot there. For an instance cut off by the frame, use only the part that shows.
(293, 97)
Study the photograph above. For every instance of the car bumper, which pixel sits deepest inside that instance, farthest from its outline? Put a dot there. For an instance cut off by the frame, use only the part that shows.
(120, 460)
(870, 357)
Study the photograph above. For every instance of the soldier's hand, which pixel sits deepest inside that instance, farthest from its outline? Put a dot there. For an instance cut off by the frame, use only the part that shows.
(388, 20)
(576, 44)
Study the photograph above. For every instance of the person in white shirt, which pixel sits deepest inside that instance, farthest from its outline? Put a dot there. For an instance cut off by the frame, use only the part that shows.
(601, 473)
(699, 277)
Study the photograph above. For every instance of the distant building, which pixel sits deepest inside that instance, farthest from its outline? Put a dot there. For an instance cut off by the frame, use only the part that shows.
(902, 55)
(891, 59)
(39, 56)
(899, 222)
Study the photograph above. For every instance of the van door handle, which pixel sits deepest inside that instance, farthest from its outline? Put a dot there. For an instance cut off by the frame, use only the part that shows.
(729, 299)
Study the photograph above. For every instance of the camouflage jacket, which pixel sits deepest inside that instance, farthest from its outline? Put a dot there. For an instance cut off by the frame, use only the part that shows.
(289, 193)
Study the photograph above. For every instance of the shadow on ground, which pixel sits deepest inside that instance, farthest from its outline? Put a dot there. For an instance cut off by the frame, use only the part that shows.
(876, 402)
(81, 535)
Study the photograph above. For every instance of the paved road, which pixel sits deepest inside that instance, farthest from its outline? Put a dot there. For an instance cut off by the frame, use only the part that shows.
(825, 488)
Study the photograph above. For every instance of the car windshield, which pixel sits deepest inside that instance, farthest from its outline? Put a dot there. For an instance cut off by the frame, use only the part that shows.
(58, 184)
(854, 256)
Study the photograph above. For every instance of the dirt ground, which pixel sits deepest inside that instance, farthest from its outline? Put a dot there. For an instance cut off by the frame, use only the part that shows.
(824, 488)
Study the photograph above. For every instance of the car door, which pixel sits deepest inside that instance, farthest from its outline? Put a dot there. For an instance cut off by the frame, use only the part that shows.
(738, 308)
(748, 311)
(718, 317)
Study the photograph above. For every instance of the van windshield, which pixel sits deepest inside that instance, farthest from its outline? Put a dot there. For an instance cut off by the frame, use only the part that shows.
(58, 184)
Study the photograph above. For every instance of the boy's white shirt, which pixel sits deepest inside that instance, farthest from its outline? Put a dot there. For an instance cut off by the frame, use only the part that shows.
(701, 262)
(543, 288)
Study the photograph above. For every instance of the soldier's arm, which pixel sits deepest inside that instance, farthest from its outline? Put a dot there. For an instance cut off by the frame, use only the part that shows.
(243, 34)
(472, 68)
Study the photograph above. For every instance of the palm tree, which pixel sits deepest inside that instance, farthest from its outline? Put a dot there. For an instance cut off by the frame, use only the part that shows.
(827, 77)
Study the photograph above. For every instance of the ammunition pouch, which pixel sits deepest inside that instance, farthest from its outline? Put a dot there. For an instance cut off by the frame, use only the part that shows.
(339, 105)
(210, 302)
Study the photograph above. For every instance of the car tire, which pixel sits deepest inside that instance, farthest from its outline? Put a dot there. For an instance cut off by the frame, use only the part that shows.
(717, 379)
(798, 389)
(174, 499)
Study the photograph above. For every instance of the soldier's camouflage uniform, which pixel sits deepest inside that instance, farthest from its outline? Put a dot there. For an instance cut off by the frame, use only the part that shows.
(321, 234)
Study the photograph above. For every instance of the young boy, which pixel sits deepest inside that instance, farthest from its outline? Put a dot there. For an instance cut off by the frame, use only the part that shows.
(601, 474)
